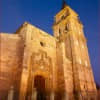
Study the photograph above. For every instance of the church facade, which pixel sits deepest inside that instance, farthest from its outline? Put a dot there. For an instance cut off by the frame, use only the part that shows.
(37, 66)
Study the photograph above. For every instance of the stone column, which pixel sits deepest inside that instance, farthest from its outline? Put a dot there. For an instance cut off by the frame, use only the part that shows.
(23, 85)
(11, 93)
(80, 96)
(52, 96)
(34, 94)
(66, 97)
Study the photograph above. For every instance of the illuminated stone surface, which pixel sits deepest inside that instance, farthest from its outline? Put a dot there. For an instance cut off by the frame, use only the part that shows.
(58, 67)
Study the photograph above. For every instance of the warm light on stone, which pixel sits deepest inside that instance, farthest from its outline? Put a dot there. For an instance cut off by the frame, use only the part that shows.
(80, 61)
(86, 63)
(76, 42)
(82, 46)
(36, 63)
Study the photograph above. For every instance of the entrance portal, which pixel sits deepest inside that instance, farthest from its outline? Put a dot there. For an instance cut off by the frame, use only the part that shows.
(39, 84)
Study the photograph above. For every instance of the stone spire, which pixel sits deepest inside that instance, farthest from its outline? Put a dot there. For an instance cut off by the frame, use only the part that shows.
(64, 4)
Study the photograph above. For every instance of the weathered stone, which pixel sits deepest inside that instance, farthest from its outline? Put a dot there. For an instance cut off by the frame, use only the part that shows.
(57, 65)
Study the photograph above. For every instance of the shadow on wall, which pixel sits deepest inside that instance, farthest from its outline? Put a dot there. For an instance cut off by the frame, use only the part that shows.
(98, 91)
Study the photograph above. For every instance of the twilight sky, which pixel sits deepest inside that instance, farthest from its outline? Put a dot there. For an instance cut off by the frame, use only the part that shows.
(40, 13)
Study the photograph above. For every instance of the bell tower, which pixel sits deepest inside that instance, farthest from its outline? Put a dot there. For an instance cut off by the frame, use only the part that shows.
(68, 29)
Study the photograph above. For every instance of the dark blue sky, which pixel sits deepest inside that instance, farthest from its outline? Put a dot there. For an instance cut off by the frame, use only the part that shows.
(40, 13)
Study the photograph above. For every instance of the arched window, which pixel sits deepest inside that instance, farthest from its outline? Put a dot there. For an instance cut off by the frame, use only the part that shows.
(62, 17)
(67, 27)
(59, 31)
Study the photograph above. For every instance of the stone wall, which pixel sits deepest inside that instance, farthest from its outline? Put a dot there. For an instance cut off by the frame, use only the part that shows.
(44, 44)
(39, 58)
(11, 55)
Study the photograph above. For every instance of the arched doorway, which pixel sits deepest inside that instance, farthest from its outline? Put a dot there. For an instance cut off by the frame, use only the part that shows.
(39, 84)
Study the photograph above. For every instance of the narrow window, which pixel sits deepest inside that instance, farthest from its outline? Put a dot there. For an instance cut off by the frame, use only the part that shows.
(59, 31)
(67, 27)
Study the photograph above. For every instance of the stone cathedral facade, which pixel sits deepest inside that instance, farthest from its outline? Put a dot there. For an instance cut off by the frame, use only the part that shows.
(37, 66)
